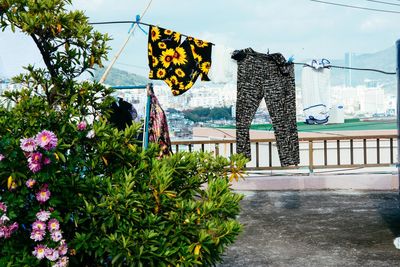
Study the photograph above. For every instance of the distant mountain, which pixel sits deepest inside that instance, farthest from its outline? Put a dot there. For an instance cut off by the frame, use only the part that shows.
(383, 60)
(120, 77)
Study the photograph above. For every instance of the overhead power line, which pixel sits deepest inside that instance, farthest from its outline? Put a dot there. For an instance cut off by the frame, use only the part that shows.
(383, 2)
(357, 7)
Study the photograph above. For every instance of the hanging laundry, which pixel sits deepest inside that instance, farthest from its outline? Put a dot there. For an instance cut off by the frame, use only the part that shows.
(315, 88)
(122, 114)
(224, 68)
(178, 64)
(158, 126)
(267, 76)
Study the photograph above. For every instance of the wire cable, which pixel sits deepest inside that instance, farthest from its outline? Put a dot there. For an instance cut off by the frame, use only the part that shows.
(107, 71)
(348, 68)
(356, 7)
(131, 21)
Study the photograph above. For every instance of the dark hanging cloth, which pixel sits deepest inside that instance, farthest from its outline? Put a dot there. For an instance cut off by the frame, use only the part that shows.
(268, 77)
(178, 64)
(158, 126)
(121, 114)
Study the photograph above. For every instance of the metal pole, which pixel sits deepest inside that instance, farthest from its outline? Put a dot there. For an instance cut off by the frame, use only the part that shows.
(147, 119)
(398, 108)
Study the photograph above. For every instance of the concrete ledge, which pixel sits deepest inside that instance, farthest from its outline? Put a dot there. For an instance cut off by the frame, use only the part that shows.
(319, 182)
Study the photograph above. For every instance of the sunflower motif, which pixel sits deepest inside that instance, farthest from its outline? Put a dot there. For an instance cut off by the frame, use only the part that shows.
(195, 55)
(150, 50)
(189, 85)
(179, 57)
(162, 45)
(151, 74)
(200, 43)
(177, 37)
(205, 67)
(155, 34)
(154, 61)
(180, 73)
(168, 32)
(161, 73)
(181, 86)
(175, 92)
(174, 80)
(167, 57)
(168, 82)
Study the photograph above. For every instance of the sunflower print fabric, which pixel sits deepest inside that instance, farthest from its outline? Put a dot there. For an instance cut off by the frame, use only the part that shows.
(178, 64)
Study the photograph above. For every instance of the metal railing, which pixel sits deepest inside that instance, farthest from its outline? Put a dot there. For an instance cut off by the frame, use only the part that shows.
(315, 152)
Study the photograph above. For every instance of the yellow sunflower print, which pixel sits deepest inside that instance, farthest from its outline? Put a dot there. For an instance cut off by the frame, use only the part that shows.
(167, 57)
(150, 50)
(162, 45)
(161, 73)
(205, 67)
(180, 73)
(181, 86)
(195, 55)
(155, 34)
(179, 56)
(174, 80)
(175, 92)
(154, 61)
(168, 82)
(189, 85)
(200, 43)
(168, 32)
(177, 37)
(151, 74)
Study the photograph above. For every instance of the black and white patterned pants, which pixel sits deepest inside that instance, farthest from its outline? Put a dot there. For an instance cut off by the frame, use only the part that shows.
(267, 76)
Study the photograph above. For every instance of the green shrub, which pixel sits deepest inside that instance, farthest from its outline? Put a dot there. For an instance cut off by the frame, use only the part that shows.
(86, 193)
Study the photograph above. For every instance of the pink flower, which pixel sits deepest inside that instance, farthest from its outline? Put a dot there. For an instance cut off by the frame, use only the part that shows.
(53, 225)
(43, 195)
(39, 251)
(37, 235)
(63, 248)
(43, 215)
(81, 126)
(30, 183)
(2, 157)
(56, 236)
(28, 144)
(34, 167)
(3, 207)
(62, 262)
(39, 225)
(46, 139)
(13, 227)
(35, 157)
(51, 254)
(46, 161)
(3, 230)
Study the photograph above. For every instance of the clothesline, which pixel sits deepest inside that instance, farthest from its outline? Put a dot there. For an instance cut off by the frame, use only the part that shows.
(130, 22)
(296, 63)
(348, 68)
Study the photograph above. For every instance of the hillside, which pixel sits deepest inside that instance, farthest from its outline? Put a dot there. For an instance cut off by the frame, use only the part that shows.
(120, 77)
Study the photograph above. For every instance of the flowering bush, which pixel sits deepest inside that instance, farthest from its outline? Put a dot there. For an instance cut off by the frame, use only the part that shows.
(85, 194)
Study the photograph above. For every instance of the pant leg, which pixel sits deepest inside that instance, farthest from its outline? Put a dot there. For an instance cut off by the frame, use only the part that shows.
(280, 97)
(249, 96)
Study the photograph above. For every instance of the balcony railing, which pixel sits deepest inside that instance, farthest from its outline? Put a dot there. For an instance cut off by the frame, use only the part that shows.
(315, 152)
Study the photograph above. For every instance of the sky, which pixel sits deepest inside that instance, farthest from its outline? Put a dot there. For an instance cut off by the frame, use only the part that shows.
(300, 28)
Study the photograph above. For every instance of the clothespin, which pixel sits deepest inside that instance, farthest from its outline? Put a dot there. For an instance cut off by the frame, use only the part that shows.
(137, 21)
(290, 59)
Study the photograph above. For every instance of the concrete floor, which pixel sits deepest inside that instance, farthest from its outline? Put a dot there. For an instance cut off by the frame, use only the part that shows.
(317, 228)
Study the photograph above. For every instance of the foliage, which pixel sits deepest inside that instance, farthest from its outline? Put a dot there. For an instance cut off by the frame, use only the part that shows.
(75, 188)
(207, 114)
